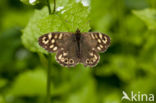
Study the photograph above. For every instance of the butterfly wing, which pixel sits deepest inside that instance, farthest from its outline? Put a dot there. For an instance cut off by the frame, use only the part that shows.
(64, 44)
(91, 43)
(52, 42)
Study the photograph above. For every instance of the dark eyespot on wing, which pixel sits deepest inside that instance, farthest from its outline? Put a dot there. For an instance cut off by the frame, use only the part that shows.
(92, 43)
(90, 59)
(64, 58)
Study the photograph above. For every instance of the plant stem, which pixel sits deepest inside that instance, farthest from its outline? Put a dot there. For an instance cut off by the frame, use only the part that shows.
(49, 8)
(54, 6)
(49, 79)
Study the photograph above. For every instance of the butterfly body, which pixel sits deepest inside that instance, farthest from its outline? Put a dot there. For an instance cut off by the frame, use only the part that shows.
(73, 48)
(78, 38)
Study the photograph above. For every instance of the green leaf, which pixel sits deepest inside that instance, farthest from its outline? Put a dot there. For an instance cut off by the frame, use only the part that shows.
(33, 82)
(123, 67)
(101, 15)
(2, 99)
(112, 97)
(3, 82)
(83, 94)
(148, 16)
(15, 19)
(67, 19)
(29, 83)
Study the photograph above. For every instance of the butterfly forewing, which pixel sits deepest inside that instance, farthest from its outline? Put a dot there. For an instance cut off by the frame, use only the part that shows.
(102, 41)
(51, 41)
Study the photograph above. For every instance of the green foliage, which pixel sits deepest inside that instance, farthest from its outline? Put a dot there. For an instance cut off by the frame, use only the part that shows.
(68, 19)
(14, 18)
(3, 82)
(34, 83)
(148, 16)
(129, 64)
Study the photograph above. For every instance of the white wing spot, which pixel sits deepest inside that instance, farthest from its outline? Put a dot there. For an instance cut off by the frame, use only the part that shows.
(60, 36)
(98, 48)
(104, 41)
(55, 36)
(62, 59)
(99, 41)
(65, 54)
(96, 36)
(44, 38)
(95, 57)
(45, 41)
(55, 48)
(60, 56)
(92, 36)
(51, 46)
(100, 35)
(91, 54)
(101, 46)
(50, 36)
(93, 48)
(52, 41)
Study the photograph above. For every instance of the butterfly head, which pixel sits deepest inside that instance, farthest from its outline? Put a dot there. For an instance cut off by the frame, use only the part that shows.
(77, 31)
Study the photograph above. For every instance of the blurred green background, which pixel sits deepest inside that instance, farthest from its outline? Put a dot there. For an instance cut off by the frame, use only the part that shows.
(128, 65)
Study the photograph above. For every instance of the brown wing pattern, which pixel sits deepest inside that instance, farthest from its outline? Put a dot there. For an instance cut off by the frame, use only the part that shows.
(64, 44)
(91, 43)
(50, 41)
(67, 51)
(102, 41)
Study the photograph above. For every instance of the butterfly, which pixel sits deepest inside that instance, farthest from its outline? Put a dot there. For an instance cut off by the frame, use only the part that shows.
(73, 48)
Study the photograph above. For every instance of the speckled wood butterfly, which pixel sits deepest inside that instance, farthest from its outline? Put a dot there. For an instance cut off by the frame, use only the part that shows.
(73, 48)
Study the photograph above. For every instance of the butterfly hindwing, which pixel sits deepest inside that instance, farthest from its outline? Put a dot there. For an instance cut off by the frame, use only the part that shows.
(68, 55)
(89, 59)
